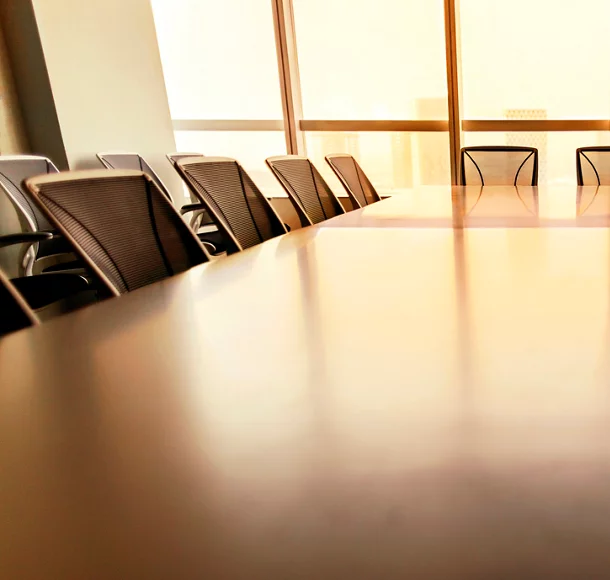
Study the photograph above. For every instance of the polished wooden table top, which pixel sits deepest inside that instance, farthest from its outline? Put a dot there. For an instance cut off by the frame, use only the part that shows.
(559, 206)
(340, 403)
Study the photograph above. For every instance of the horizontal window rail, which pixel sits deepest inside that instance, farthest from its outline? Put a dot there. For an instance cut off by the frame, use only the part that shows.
(228, 125)
(377, 126)
(474, 125)
(544, 125)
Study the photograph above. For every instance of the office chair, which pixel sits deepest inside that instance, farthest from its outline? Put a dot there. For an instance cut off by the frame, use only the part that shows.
(47, 251)
(353, 179)
(202, 219)
(134, 161)
(123, 226)
(499, 165)
(593, 165)
(14, 312)
(238, 207)
(310, 195)
(42, 290)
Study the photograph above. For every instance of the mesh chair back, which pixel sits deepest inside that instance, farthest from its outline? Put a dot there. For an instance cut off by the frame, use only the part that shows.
(13, 170)
(135, 162)
(593, 165)
(121, 223)
(236, 204)
(15, 314)
(173, 158)
(353, 179)
(499, 165)
(313, 200)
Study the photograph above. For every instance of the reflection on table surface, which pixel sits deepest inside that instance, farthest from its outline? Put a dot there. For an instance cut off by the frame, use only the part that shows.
(345, 404)
(491, 206)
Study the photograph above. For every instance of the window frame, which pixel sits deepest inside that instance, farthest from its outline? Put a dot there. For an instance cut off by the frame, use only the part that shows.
(294, 125)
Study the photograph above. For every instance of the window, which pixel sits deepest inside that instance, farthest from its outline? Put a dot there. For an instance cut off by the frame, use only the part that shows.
(360, 59)
(356, 62)
(372, 77)
(394, 162)
(219, 58)
(535, 59)
(221, 72)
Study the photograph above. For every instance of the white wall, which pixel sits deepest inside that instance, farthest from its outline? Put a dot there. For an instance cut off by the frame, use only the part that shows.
(107, 82)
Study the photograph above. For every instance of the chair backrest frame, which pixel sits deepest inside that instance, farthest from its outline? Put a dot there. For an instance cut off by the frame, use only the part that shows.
(297, 203)
(330, 159)
(581, 152)
(145, 167)
(218, 216)
(35, 185)
(533, 152)
(30, 215)
(19, 202)
(176, 156)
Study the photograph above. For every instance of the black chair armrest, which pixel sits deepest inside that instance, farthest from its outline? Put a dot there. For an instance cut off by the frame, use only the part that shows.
(190, 207)
(24, 238)
(44, 289)
(200, 212)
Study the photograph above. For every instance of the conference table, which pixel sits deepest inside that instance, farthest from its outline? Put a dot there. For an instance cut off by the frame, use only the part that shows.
(416, 389)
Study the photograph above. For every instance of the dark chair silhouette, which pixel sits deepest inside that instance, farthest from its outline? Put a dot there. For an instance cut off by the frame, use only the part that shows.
(41, 290)
(134, 161)
(310, 195)
(499, 165)
(14, 312)
(44, 255)
(201, 218)
(353, 179)
(122, 225)
(593, 166)
(237, 206)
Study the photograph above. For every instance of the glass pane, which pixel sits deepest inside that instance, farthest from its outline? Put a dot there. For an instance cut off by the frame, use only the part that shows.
(250, 148)
(536, 59)
(556, 150)
(219, 58)
(393, 162)
(360, 59)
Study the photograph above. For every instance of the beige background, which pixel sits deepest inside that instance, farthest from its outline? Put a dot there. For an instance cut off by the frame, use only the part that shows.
(107, 81)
